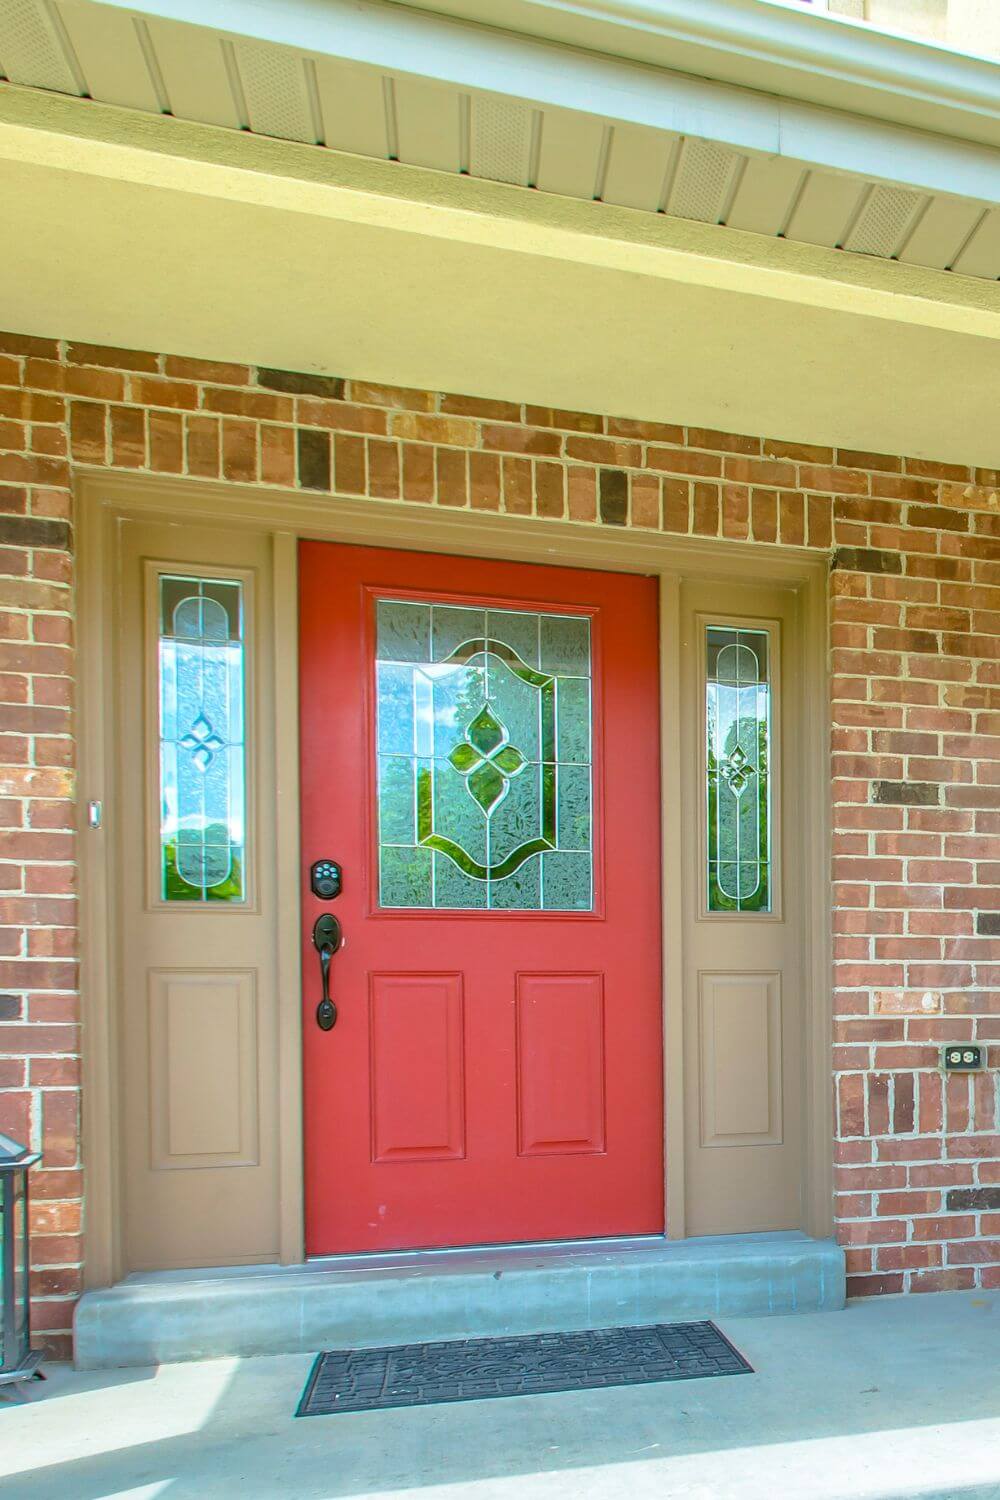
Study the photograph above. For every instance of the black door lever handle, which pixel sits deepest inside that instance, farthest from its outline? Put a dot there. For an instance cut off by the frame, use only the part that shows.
(327, 938)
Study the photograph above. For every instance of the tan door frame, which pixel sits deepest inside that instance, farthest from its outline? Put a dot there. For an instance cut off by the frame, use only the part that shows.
(105, 500)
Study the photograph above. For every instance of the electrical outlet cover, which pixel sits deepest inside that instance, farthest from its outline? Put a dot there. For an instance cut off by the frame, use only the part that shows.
(963, 1057)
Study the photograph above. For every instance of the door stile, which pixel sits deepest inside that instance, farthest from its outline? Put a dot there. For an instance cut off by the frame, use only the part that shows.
(671, 708)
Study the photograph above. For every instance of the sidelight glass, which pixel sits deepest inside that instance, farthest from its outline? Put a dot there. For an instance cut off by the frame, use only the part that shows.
(202, 741)
(484, 758)
(738, 755)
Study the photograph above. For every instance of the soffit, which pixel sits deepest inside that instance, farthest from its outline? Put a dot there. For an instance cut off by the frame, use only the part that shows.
(398, 85)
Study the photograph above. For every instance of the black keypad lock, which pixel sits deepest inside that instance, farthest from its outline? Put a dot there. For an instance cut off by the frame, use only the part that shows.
(325, 879)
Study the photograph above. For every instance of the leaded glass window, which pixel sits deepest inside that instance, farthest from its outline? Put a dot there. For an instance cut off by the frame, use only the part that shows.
(738, 753)
(484, 758)
(202, 749)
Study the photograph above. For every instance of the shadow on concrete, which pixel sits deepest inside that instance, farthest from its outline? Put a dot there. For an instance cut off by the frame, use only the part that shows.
(895, 1399)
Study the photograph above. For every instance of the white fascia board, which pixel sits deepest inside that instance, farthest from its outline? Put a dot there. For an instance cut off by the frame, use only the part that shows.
(391, 38)
(815, 57)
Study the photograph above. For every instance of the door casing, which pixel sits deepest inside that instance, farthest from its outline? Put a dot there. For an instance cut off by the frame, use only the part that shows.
(105, 499)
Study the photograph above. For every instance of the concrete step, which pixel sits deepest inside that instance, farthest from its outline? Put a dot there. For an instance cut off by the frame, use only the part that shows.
(367, 1301)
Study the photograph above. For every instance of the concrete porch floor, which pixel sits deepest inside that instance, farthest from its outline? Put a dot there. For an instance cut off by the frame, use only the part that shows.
(895, 1397)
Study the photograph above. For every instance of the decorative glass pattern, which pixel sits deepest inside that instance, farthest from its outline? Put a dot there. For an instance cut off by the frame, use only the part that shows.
(484, 758)
(738, 744)
(202, 752)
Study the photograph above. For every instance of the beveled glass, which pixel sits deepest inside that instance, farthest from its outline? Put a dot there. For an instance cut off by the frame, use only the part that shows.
(202, 740)
(737, 771)
(484, 745)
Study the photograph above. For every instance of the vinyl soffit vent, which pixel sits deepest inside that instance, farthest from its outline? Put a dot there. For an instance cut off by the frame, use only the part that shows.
(122, 58)
(882, 226)
(32, 51)
(703, 182)
(501, 141)
(277, 98)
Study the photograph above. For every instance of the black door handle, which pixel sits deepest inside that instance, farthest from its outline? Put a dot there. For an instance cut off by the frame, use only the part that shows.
(327, 938)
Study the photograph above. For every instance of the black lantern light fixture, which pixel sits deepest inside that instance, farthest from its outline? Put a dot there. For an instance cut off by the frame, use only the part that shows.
(18, 1361)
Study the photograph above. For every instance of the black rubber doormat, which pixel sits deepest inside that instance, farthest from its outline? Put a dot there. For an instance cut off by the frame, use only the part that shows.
(481, 1369)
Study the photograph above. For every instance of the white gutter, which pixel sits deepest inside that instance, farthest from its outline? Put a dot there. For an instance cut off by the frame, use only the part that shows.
(815, 57)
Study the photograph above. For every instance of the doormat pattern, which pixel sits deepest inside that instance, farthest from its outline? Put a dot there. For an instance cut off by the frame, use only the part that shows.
(482, 1369)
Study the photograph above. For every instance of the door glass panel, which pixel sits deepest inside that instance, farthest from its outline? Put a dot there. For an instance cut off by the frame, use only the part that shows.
(484, 758)
(738, 752)
(202, 750)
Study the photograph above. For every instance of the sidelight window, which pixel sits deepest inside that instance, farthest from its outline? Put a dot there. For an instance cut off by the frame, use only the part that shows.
(738, 775)
(202, 760)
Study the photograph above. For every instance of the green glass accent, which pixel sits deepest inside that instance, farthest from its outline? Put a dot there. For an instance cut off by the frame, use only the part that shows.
(490, 735)
(573, 719)
(738, 803)
(485, 733)
(509, 760)
(502, 653)
(487, 785)
(464, 757)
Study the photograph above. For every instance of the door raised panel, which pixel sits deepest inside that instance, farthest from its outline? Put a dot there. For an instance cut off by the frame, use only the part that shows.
(203, 1068)
(560, 1064)
(417, 1067)
(740, 1044)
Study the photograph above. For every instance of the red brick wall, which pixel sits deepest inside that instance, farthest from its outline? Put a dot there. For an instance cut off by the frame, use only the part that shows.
(915, 643)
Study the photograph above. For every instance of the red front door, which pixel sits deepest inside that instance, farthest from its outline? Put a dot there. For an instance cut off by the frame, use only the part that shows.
(480, 756)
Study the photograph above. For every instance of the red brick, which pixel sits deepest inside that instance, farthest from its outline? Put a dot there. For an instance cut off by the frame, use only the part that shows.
(239, 450)
(383, 468)
(916, 695)
(569, 421)
(146, 391)
(349, 465)
(484, 482)
(418, 472)
(942, 1281)
(203, 446)
(676, 461)
(581, 493)
(517, 486)
(550, 486)
(277, 454)
(452, 476)
(874, 1286)
(116, 359)
(507, 439)
(166, 442)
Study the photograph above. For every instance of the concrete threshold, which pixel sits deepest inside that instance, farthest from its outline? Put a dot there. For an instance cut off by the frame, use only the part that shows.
(367, 1301)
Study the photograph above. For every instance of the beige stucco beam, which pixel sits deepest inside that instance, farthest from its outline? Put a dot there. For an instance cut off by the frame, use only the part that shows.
(48, 132)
